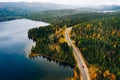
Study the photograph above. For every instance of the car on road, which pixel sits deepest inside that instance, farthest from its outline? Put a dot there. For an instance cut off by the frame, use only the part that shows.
(82, 66)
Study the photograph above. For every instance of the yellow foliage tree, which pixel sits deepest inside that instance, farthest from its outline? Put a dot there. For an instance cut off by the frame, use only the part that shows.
(100, 23)
(114, 45)
(106, 73)
(98, 35)
(113, 77)
(88, 26)
(109, 76)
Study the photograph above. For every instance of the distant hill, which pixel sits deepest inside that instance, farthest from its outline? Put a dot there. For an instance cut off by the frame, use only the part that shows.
(32, 6)
(15, 10)
(21, 8)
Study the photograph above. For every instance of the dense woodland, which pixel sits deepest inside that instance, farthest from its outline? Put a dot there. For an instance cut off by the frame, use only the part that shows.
(50, 43)
(99, 42)
(68, 17)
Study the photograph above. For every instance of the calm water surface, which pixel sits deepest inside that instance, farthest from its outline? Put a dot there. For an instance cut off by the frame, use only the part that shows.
(14, 49)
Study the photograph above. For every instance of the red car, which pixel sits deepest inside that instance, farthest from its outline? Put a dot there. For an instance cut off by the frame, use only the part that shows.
(82, 66)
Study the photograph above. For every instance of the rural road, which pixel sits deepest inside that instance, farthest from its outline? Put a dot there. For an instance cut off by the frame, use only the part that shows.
(78, 57)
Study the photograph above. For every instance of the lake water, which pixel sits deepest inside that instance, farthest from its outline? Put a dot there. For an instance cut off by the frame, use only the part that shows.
(14, 49)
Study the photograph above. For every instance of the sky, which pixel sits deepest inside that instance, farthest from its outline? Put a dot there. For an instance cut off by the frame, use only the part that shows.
(73, 2)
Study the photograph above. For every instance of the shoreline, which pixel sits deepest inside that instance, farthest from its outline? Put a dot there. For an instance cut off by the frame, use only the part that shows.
(32, 55)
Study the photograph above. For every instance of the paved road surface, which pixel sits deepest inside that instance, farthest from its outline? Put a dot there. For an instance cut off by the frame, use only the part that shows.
(78, 56)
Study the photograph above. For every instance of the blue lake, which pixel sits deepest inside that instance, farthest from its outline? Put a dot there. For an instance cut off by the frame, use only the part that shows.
(14, 49)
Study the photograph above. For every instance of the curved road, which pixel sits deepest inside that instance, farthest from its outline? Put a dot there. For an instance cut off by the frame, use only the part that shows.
(78, 56)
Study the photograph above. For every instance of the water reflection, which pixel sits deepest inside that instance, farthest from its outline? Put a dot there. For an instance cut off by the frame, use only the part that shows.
(55, 61)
